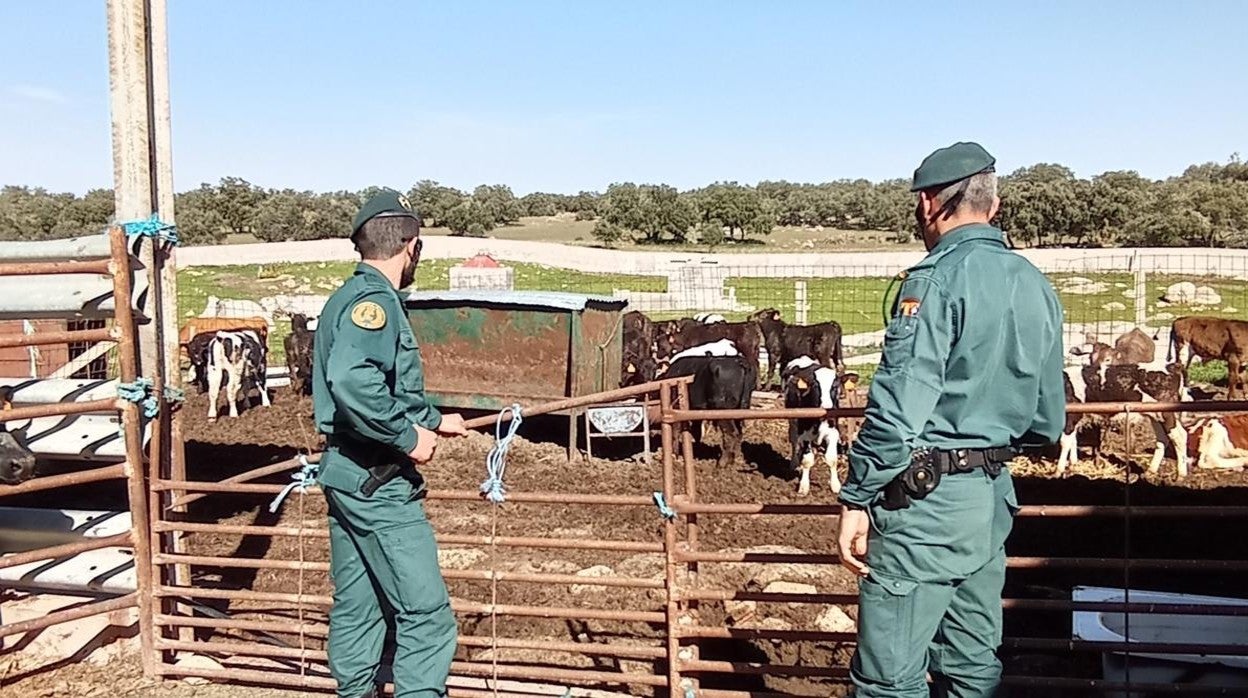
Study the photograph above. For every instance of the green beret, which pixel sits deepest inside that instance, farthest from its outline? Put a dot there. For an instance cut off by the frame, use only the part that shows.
(952, 164)
(385, 202)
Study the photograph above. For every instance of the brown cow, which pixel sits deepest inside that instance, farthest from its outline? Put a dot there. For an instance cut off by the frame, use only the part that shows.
(1219, 442)
(1134, 347)
(1211, 338)
(746, 336)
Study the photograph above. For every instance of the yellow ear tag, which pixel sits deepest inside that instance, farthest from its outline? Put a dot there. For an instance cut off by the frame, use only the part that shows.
(850, 385)
(631, 368)
(368, 315)
(801, 384)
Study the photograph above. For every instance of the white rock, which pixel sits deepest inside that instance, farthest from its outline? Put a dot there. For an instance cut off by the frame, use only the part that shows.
(1229, 309)
(834, 620)
(1182, 293)
(1206, 295)
(1083, 287)
(1129, 293)
(783, 587)
(1163, 316)
(197, 661)
(595, 571)
(460, 558)
(1113, 305)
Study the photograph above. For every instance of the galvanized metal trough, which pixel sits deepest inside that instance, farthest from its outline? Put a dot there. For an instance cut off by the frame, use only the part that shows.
(485, 350)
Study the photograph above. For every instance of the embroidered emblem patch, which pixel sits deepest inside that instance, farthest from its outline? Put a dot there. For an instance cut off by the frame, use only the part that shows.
(909, 307)
(404, 202)
(368, 315)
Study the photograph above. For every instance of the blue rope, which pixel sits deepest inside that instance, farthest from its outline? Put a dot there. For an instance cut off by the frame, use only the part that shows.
(175, 395)
(664, 510)
(305, 478)
(140, 393)
(153, 228)
(689, 692)
(496, 461)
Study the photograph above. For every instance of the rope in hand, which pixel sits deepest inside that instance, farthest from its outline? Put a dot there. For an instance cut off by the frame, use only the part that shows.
(140, 393)
(303, 479)
(496, 460)
(492, 489)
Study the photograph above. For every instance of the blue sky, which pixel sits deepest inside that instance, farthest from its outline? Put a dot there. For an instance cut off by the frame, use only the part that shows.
(563, 96)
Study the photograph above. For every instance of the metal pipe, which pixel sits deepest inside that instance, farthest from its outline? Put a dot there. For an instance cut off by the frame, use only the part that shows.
(168, 559)
(623, 546)
(551, 674)
(72, 266)
(691, 520)
(239, 530)
(1033, 563)
(59, 551)
(288, 464)
(1125, 607)
(803, 558)
(723, 633)
(764, 597)
(47, 339)
(684, 506)
(1102, 686)
(61, 409)
(597, 649)
(264, 678)
(1050, 644)
(87, 610)
(434, 495)
(703, 666)
(671, 606)
(575, 402)
(136, 475)
(82, 477)
(176, 621)
(1197, 407)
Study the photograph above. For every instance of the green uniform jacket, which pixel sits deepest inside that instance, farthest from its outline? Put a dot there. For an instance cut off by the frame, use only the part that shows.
(367, 380)
(972, 358)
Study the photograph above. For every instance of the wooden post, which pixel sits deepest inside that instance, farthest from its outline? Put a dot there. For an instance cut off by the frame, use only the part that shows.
(1141, 293)
(800, 307)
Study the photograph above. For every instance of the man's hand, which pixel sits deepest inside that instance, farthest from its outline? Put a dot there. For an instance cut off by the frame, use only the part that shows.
(852, 541)
(452, 425)
(426, 444)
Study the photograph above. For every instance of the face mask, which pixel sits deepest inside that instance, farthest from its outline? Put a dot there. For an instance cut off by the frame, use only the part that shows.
(408, 275)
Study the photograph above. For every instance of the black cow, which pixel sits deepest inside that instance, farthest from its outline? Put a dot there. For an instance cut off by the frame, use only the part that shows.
(719, 383)
(786, 342)
(637, 363)
(17, 463)
(298, 346)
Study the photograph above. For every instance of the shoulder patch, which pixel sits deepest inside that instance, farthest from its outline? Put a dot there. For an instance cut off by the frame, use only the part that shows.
(909, 307)
(368, 315)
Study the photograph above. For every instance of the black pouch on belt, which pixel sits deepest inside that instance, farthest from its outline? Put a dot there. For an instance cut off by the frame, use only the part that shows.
(915, 482)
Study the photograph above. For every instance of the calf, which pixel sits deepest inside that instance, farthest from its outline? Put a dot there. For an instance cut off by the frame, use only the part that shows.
(637, 360)
(1142, 383)
(1211, 338)
(851, 397)
(17, 463)
(807, 384)
(1132, 347)
(708, 318)
(236, 361)
(298, 346)
(786, 342)
(723, 379)
(1220, 442)
(747, 337)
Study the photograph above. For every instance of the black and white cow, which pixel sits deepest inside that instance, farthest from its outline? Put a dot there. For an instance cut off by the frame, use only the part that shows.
(809, 384)
(17, 463)
(238, 362)
(723, 379)
(1144, 383)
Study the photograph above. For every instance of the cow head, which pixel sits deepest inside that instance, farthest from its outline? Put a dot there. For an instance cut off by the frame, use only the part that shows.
(299, 322)
(767, 316)
(17, 463)
(800, 382)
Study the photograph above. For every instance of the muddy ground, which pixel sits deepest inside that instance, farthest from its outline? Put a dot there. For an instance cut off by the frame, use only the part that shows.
(537, 463)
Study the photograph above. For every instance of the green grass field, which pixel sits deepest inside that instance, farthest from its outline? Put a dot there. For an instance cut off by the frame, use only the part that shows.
(856, 303)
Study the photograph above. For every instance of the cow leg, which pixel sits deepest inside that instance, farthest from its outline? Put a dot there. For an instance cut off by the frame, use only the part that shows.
(232, 389)
(808, 461)
(1070, 452)
(730, 441)
(262, 383)
(831, 440)
(1159, 451)
(1178, 437)
(215, 374)
(1233, 378)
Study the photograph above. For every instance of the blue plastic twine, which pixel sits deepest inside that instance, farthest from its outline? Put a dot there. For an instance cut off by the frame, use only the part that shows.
(664, 510)
(140, 393)
(305, 478)
(496, 460)
(153, 228)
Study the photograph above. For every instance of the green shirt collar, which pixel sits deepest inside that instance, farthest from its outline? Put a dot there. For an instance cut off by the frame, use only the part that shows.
(965, 233)
(369, 270)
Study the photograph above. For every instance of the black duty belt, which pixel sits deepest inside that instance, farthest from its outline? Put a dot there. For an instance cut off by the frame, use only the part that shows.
(382, 463)
(927, 465)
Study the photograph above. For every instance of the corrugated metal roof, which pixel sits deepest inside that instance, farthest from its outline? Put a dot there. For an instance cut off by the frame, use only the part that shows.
(540, 299)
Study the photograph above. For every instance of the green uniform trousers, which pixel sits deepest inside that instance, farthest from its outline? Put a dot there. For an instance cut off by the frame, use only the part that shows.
(932, 602)
(384, 564)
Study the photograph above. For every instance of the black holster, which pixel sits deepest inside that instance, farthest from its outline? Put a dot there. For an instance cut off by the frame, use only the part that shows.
(383, 464)
(928, 465)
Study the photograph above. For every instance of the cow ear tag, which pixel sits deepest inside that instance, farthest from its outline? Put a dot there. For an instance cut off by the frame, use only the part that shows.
(368, 315)
(801, 384)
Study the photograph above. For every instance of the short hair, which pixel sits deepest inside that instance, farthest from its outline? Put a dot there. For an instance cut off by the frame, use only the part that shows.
(977, 195)
(382, 237)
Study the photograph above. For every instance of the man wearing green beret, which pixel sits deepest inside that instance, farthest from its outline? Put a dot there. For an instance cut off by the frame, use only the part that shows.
(971, 375)
(368, 394)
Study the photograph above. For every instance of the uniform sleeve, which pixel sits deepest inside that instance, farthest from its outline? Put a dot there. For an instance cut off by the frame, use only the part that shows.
(423, 412)
(356, 373)
(904, 391)
(1050, 418)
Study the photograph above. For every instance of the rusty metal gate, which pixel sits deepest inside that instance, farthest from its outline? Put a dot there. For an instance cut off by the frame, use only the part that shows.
(651, 634)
